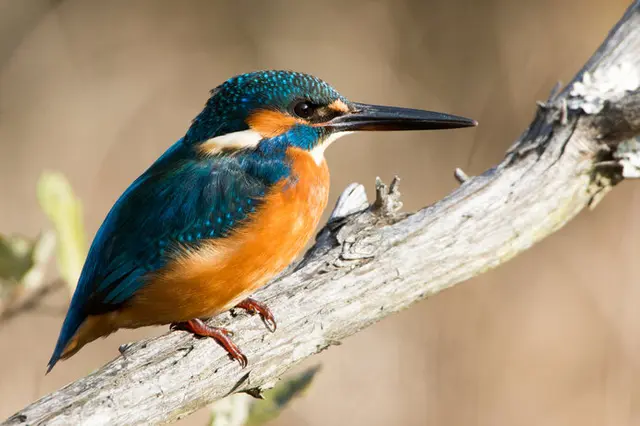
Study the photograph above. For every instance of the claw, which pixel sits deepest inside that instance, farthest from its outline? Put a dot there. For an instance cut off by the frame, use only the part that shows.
(226, 332)
(220, 335)
(253, 307)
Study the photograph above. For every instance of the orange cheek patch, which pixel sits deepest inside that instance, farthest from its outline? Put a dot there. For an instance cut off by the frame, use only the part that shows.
(270, 123)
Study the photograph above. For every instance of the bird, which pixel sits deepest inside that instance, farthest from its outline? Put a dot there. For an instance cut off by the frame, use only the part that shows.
(223, 210)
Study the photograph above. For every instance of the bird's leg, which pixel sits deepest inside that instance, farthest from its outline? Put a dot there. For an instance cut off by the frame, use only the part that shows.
(253, 307)
(220, 335)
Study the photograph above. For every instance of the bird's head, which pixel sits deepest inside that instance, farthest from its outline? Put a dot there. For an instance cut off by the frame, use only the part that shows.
(275, 110)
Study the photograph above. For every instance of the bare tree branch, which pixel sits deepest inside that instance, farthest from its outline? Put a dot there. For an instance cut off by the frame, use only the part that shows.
(29, 302)
(376, 261)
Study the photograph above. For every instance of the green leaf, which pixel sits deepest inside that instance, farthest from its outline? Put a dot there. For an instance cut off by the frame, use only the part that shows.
(243, 410)
(23, 262)
(276, 399)
(16, 257)
(64, 210)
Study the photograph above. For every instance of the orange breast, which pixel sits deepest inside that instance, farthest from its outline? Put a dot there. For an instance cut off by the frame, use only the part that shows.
(225, 271)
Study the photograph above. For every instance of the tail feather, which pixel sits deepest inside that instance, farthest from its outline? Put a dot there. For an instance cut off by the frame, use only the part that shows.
(74, 337)
(70, 326)
(75, 317)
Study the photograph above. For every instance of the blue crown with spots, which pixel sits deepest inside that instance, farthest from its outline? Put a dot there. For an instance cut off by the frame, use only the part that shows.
(231, 102)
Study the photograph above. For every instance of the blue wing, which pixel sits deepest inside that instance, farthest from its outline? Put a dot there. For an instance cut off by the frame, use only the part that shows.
(179, 199)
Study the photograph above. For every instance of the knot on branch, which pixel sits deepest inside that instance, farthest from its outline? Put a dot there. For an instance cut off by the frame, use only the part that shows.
(353, 205)
(387, 200)
(460, 176)
(352, 223)
(352, 200)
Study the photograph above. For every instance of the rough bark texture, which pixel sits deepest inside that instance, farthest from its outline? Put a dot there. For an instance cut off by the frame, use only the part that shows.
(375, 261)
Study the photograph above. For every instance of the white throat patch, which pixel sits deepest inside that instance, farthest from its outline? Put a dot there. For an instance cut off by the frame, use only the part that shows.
(317, 153)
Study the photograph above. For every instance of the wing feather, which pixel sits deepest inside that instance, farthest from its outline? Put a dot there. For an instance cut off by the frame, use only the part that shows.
(177, 203)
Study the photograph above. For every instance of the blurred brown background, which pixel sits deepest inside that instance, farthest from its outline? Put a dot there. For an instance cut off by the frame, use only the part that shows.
(99, 89)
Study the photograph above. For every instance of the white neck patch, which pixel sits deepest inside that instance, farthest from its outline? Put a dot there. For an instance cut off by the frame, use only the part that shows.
(235, 141)
(317, 153)
(250, 139)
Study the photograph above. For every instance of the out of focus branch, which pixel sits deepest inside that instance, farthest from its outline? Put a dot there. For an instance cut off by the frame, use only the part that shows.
(376, 261)
(30, 301)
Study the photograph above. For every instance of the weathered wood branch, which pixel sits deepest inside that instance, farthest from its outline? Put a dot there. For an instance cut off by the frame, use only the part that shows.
(377, 261)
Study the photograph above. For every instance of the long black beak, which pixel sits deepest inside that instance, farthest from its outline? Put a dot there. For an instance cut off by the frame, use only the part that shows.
(379, 118)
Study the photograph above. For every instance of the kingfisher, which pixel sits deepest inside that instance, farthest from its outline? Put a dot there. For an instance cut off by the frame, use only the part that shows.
(225, 209)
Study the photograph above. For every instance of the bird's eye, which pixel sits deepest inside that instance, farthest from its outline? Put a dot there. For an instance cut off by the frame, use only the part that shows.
(304, 109)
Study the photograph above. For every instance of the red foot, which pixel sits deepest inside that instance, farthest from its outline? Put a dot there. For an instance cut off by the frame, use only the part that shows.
(254, 307)
(220, 335)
